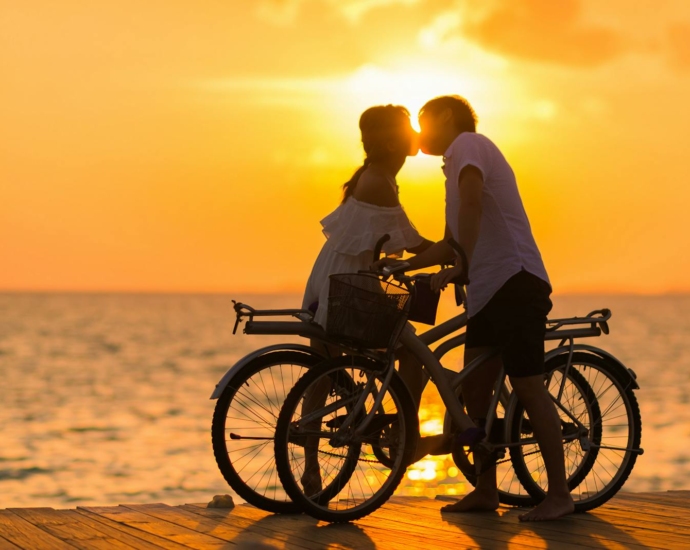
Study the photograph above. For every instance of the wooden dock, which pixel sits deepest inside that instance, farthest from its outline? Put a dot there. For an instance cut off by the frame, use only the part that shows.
(631, 520)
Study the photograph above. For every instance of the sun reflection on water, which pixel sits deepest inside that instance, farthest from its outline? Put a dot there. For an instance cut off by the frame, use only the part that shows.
(433, 475)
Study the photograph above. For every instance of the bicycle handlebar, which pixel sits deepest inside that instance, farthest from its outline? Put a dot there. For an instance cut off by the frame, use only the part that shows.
(379, 246)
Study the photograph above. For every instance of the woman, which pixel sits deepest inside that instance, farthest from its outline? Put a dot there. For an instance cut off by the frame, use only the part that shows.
(370, 206)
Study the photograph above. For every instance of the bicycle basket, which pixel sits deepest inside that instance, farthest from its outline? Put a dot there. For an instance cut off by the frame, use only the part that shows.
(366, 311)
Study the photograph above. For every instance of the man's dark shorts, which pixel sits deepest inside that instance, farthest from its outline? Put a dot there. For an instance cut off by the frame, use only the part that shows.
(514, 321)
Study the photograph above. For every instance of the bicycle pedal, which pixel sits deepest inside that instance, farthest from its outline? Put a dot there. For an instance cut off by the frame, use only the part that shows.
(485, 457)
(336, 422)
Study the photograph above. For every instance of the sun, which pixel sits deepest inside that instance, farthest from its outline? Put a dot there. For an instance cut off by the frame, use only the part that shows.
(411, 87)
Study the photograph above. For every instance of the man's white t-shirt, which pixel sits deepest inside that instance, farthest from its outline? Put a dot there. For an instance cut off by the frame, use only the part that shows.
(505, 245)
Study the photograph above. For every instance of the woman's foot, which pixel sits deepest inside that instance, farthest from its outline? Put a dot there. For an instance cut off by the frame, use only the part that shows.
(476, 501)
(552, 507)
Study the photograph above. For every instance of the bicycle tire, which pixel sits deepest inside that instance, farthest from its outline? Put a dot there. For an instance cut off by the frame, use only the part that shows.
(333, 511)
(261, 492)
(596, 371)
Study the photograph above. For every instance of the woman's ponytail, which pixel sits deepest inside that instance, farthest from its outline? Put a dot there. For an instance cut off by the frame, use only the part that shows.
(349, 186)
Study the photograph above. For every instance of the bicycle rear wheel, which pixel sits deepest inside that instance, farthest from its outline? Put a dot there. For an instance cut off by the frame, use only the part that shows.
(578, 399)
(244, 422)
(360, 471)
(599, 463)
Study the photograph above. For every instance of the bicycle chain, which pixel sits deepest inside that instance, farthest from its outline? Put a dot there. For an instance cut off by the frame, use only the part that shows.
(368, 460)
(341, 456)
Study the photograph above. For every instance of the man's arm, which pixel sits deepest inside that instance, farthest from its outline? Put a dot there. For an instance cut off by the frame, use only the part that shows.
(437, 254)
(471, 183)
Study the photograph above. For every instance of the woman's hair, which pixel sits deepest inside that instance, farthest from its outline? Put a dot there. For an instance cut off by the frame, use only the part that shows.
(463, 114)
(379, 126)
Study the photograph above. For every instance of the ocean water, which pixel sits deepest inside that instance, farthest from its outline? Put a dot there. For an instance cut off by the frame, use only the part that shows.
(105, 398)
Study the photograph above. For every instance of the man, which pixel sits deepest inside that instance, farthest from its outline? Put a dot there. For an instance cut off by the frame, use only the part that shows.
(508, 293)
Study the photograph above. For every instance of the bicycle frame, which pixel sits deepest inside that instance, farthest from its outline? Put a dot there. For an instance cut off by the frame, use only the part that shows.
(595, 323)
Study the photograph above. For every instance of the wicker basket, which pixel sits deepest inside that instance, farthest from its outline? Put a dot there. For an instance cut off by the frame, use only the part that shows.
(365, 311)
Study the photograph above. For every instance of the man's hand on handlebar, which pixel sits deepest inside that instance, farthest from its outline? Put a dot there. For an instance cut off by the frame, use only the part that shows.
(440, 280)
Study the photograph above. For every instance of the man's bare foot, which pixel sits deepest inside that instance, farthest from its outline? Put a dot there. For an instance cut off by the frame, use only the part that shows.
(476, 501)
(550, 508)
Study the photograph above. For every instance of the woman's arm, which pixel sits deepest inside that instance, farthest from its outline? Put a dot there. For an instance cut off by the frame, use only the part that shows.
(436, 254)
(426, 243)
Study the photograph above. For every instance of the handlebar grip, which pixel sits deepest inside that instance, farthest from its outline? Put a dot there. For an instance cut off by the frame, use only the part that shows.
(379, 246)
(464, 278)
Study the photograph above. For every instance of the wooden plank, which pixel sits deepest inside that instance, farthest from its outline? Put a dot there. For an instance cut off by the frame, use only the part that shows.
(568, 530)
(621, 529)
(7, 545)
(68, 526)
(135, 539)
(227, 526)
(664, 518)
(677, 504)
(497, 526)
(160, 528)
(622, 523)
(382, 530)
(126, 530)
(301, 529)
(667, 500)
(253, 524)
(24, 534)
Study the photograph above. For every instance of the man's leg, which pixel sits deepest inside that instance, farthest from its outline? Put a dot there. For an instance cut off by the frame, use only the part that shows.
(546, 424)
(476, 392)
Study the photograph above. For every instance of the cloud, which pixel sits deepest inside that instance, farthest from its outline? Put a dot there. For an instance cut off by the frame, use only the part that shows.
(285, 12)
(355, 9)
(541, 30)
(679, 45)
(278, 12)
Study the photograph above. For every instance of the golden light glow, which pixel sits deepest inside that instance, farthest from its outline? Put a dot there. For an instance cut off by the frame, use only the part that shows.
(411, 87)
(175, 149)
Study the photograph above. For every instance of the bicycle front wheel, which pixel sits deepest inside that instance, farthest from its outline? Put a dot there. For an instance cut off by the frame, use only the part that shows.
(317, 441)
(604, 412)
(244, 423)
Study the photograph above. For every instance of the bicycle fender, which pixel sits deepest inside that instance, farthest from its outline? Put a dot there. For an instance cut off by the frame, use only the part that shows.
(232, 371)
(603, 354)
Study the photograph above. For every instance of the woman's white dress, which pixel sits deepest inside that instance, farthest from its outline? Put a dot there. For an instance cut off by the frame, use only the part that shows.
(352, 231)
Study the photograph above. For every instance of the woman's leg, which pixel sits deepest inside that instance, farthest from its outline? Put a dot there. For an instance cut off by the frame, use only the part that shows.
(314, 398)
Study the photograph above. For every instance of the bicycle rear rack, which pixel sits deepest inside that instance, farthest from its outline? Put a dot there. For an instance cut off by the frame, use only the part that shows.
(597, 321)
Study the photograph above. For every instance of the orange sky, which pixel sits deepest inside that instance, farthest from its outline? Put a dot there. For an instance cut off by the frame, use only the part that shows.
(194, 146)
